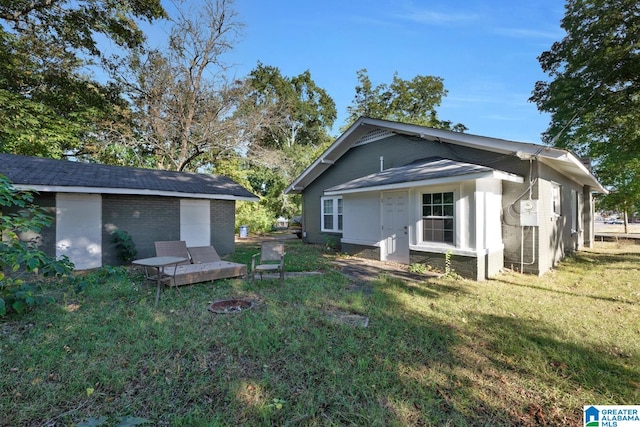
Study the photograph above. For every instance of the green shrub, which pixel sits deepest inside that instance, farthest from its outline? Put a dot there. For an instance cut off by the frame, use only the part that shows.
(125, 246)
(331, 243)
(258, 217)
(97, 277)
(417, 268)
(22, 265)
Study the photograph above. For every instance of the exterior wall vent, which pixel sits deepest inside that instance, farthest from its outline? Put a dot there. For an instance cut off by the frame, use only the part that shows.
(374, 135)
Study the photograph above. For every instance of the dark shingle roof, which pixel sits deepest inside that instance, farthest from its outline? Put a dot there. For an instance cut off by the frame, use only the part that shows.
(44, 173)
(366, 130)
(418, 171)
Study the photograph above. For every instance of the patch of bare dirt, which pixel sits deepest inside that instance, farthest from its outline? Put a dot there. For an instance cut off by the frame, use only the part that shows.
(230, 306)
(346, 318)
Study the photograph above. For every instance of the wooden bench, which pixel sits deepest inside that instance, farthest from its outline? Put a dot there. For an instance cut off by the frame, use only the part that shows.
(203, 263)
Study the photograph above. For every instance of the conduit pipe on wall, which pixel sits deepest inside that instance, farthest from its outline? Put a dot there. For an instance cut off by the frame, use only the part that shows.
(533, 248)
(533, 228)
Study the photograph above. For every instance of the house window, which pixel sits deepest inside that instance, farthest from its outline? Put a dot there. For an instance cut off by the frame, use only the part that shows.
(437, 217)
(332, 214)
(556, 200)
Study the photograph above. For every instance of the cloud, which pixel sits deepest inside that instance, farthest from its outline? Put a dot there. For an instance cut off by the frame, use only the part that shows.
(524, 33)
(432, 17)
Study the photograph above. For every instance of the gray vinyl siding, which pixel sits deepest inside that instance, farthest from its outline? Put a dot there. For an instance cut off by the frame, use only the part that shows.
(513, 237)
(533, 249)
(544, 245)
(556, 238)
(397, 151)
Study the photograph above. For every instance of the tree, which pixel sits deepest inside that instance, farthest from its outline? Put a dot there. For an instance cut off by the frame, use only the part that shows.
(50, 105)
(291, 118)
(594, 91)
(298, 111)
(624, 181)
(408, 101)
(183, 105)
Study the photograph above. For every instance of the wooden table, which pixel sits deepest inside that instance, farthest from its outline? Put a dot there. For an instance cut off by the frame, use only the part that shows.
(159, 263)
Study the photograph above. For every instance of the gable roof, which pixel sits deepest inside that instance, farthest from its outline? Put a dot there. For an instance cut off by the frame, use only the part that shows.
(421, 172)
(366, 130)
(51, 175)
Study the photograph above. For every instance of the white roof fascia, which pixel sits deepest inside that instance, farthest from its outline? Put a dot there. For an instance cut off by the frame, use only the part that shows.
(524, 150)
(430, 182)
(327, 158)
(130, 191)
(465, 139)
(572, 166)
(561, 160)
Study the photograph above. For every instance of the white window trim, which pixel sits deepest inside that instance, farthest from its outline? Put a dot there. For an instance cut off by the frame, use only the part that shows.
(453, 217)
(442, 247)
(576, 211)
(335, 214)
(556, 190)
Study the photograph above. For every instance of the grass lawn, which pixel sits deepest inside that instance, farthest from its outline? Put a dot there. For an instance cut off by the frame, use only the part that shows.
(516, 350)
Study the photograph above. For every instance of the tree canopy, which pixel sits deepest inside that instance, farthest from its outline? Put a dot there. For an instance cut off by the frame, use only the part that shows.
(291, 118)
(182, 102)
(594, 90)
(174, 106)
(409, 101)
(295, 109)
(50, 104)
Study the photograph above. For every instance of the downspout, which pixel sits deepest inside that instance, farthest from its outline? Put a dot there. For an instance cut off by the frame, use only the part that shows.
(381, 163)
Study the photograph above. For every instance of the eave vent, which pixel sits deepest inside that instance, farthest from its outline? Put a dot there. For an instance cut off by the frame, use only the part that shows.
(374, 135)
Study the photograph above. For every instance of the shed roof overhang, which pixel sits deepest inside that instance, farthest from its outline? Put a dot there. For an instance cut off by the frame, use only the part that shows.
(433, 171)
(130, 191)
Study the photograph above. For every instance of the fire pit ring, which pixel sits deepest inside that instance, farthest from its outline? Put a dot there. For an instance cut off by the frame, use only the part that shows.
(227, 306)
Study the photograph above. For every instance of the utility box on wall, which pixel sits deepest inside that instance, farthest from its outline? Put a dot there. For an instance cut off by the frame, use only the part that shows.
(529, 213)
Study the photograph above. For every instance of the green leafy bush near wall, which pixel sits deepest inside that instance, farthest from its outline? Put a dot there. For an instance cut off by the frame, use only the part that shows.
(23, 267)
(125, 246)
(257, 217)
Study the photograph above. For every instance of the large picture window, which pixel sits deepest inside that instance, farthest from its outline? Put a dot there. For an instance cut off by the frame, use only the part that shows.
(438, 217)
(332, 214)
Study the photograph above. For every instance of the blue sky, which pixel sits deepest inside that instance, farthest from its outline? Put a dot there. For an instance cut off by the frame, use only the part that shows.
(485, 50)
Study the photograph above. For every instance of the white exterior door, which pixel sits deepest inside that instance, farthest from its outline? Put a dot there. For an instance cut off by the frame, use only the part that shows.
(195, 222)
(395, 227)
(79, 229)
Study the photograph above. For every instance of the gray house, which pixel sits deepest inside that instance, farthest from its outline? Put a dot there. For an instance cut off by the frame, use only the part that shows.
(407, 194)
(89, 201)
